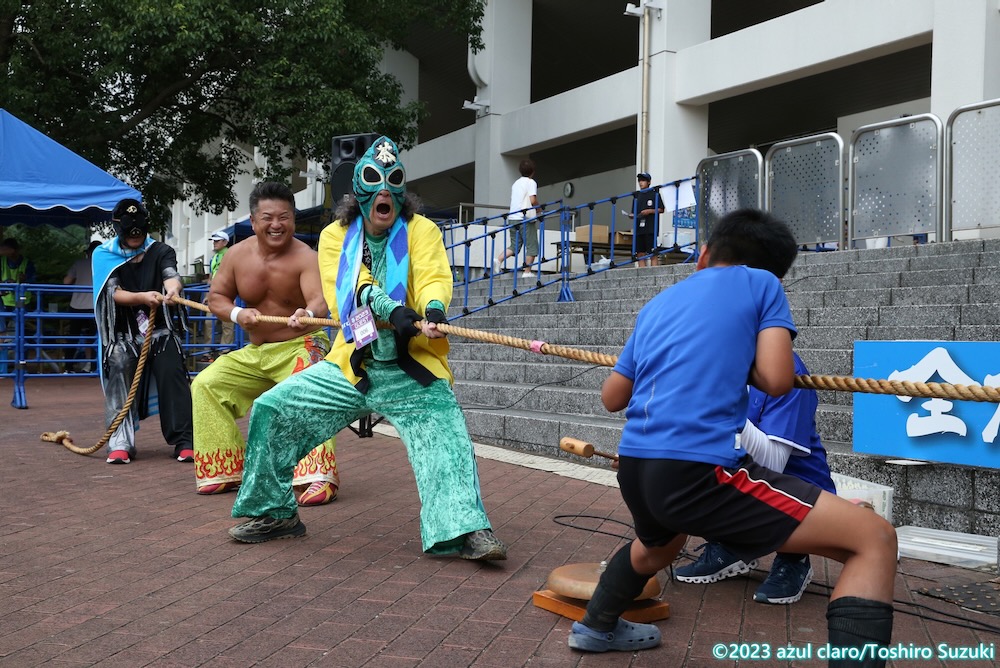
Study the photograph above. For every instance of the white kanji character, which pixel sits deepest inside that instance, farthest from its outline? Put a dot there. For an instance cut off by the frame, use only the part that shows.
(938, 422)
(990, 432)
(384, 153)
(937, 361)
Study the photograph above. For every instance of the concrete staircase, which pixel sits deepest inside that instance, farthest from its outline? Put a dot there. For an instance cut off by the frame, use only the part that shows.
(946, 291)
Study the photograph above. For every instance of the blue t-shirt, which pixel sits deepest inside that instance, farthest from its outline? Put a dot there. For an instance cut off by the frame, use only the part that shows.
(791, 419)
(689, 358)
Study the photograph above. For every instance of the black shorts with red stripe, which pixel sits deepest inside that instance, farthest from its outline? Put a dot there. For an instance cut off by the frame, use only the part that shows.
(751, 509)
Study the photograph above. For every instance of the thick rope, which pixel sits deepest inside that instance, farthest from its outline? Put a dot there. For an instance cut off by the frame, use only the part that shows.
(63, 438)
(276, 319)
(901, 388)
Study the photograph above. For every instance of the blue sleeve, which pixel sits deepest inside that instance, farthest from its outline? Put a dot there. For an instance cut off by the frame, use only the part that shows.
(773, 304)
(790, 417)
(626, 360)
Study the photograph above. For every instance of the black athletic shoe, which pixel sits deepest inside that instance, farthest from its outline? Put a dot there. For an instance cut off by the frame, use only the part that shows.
(483, 545)
(261, 529)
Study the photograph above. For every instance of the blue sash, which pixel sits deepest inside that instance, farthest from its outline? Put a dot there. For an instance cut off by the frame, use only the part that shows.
(397, 268)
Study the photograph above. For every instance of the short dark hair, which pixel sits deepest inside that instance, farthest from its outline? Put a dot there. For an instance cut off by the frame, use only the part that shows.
(270, 190)
(11, 243)
(754, 238)
(527, 167)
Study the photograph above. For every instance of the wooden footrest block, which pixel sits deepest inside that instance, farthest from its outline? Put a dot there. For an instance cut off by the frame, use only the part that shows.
(644, 612)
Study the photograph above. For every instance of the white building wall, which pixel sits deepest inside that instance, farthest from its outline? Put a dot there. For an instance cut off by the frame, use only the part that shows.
(819, 38)
(406, 69)
(965, 67)
(678, 132)
(688, 71)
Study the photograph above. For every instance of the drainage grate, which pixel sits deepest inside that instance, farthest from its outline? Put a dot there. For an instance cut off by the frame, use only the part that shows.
(978, 596)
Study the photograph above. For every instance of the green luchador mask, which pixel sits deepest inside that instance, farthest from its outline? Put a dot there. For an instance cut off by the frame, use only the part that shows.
(379, 169)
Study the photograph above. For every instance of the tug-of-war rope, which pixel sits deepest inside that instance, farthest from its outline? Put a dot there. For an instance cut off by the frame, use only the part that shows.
(63, 437)
(902, 388)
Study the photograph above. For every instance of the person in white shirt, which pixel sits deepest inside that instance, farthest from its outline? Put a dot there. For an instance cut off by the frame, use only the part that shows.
(523, 200)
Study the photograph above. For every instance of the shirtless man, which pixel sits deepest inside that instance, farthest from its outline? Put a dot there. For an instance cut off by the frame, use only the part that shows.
(275, 274)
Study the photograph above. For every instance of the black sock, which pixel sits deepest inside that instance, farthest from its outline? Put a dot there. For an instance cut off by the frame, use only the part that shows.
(618, 587)
(857, 622)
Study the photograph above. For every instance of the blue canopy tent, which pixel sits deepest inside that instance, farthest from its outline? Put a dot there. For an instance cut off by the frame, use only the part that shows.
(44, 183)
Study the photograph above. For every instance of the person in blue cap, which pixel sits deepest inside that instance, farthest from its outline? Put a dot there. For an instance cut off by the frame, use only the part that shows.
(646, 209)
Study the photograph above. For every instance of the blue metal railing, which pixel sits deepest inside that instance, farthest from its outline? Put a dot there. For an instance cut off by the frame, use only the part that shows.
(472, 246)
(33, 344)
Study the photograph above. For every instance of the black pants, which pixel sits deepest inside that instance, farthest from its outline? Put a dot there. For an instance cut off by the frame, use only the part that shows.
(165, 367)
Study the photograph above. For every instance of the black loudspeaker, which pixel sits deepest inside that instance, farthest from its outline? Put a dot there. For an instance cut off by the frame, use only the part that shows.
(341, 182)
(347, 149)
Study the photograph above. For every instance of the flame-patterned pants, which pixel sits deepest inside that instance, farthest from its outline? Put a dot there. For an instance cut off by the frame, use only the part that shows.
(320, 401)
(226, 390)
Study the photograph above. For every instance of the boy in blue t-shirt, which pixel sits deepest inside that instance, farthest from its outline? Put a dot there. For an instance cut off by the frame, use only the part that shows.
(682, 380)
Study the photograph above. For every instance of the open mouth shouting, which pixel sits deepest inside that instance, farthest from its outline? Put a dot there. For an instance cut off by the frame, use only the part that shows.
(383, 213)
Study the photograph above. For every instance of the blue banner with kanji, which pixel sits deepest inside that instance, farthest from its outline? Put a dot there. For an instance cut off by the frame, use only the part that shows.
(939, 430)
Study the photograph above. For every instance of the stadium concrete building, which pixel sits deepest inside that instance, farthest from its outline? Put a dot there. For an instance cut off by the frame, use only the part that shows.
(597, 90)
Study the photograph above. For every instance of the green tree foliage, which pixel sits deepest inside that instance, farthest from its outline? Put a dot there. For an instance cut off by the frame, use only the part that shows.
(147, 88)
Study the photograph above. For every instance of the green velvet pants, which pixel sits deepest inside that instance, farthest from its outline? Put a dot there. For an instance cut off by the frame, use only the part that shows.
(311, 406)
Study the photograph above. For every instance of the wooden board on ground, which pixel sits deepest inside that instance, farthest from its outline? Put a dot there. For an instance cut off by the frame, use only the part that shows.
(643, 612)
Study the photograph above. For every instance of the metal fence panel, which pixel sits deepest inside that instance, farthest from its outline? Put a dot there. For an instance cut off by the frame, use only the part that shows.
(973, 159)
(727, 182)
(805, 187)
(895, 178)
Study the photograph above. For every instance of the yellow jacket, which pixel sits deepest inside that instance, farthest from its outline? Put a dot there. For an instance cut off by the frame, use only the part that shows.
(429, 278)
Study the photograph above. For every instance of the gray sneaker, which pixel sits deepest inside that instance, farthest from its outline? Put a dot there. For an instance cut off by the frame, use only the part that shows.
(483, 545)
(261, 529)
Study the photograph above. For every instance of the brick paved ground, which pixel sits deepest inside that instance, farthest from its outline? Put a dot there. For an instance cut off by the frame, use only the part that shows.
(126, 566)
